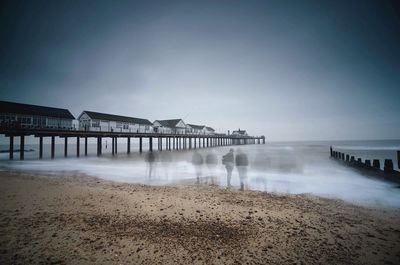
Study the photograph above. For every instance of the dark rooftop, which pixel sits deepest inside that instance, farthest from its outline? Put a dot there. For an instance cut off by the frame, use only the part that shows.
(198, 127)
(27, 109)
(169, 123)
(112, 117)
(210, 129)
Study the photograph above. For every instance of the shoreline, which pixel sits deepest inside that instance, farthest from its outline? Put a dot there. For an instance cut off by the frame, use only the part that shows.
(75, 219)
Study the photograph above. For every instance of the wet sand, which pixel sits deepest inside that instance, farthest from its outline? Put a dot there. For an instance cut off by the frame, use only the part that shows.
(83, 220)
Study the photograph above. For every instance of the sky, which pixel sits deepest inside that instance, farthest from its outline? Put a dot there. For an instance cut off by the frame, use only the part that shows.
(289, 70)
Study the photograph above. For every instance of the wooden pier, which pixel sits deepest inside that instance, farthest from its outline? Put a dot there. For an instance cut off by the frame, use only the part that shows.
(165, 141)
(368, 168)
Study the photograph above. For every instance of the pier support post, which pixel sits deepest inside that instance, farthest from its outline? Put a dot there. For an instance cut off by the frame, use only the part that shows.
(169, 143)
(85, 146)
(22, 148)
(195, 140)
(112, 145)
(116, 145)
(66, 146)
(208, 142)
(331, 150)
(53, 146)
(40, 147)
(160, 139)
(99, 146)
(140, 144)
(128, 149)
(151, 144)
(78, 146)
(11, 150)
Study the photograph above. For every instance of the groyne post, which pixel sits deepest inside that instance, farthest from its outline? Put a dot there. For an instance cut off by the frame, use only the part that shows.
(388, 166)
(376, 164)
(398, 159)
(368, 162)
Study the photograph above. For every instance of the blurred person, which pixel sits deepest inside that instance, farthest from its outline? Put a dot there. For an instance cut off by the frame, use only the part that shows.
(212, 162)
(197, 161)
(242, 162)
(150, 159)
(229, 161)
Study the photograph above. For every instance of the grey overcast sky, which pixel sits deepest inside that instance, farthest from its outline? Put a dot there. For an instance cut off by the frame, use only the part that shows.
(290, 70)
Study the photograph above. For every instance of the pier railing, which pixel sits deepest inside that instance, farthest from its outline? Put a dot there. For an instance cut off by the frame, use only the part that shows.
(171, 141)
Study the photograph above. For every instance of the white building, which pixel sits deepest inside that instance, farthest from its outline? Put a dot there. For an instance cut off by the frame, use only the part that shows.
(239, 132)
(175, 126)
(196, 129)
(32, 116)
(95, 121)
(210, 130)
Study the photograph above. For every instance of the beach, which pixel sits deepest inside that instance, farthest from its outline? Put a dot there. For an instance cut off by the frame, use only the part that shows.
(76, 219)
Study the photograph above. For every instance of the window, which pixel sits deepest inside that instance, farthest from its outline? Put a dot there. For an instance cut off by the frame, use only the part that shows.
(95, 123)
(126, 126)
(119, 125)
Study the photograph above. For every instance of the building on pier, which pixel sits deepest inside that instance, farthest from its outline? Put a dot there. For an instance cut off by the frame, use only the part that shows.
(196, 129)
(95, 121)
(17, 115)
(210, 131)
(176, 126)
(240, 133)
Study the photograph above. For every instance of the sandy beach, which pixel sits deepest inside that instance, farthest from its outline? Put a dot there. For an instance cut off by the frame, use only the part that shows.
(73, 219)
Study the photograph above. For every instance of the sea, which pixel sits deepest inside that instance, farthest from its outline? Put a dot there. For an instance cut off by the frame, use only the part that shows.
(279, 167)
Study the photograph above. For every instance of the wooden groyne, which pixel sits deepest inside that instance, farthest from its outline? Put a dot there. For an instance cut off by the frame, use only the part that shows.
(165, 141)
(371, 167)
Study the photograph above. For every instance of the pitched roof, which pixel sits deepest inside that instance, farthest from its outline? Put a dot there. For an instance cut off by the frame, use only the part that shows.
(239, 131)
(197, 127)
(112, 117)
(169, 123)
(210, 129)
(27, 109)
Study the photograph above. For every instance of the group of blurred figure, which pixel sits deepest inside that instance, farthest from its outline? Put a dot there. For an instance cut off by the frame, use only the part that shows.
(229, 160)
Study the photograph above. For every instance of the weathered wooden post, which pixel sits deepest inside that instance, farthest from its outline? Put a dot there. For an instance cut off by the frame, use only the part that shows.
(116, 145)
(342, 156)
(367, 162)
(99, 146)
(78, 146)
(190, 143)
(331, 151)
(128, 149)
(11, 150)
(359, 160)
(160, 139)
(22, 147)
(53, 146)
(40, 147)
(352, 159)
(388, 166)
(376, 163)
(347, 158)
(112, 145)
(66, 146)
(85, 146)
(398, 159)
(151, 144)
(140, 144)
